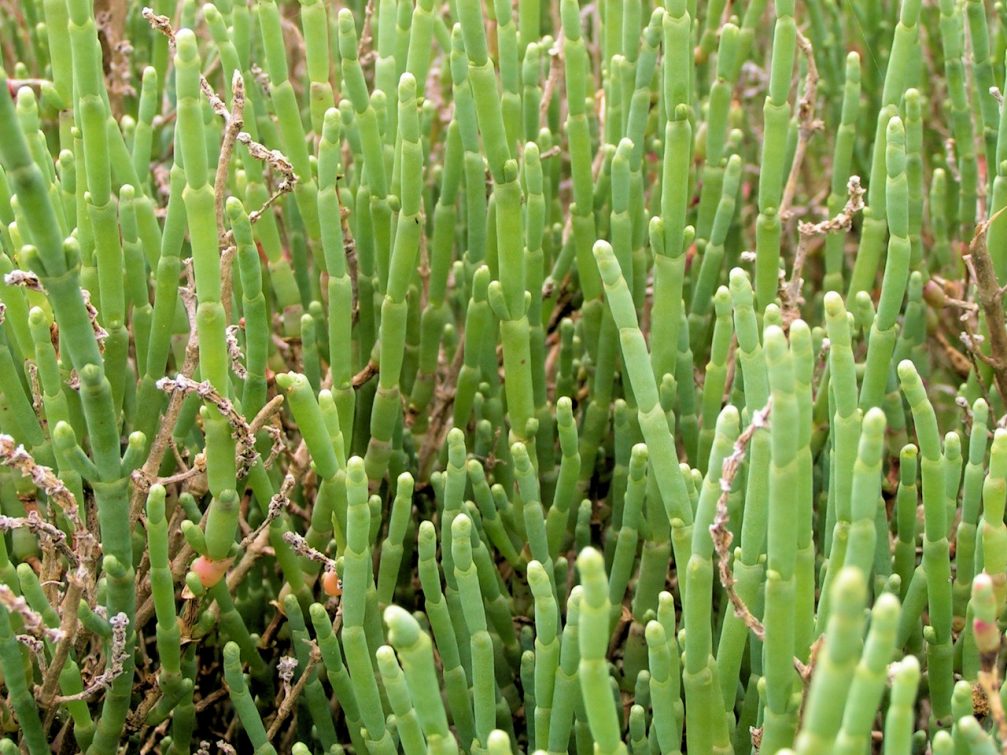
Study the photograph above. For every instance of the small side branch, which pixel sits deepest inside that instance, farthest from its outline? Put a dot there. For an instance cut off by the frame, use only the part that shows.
(840, 223)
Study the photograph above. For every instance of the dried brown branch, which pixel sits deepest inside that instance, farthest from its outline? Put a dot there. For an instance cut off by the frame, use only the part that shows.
(31, 620)
(144, 477)
(282, 188)
(15, 456)
(440, 415)
(24, 278)
(274, 158)
(68, 628)
(840, 223)
(120, 73)
(364, 52)
(110, 20)
(808, 124)
(266, 413)
(100, 334)
(277, 505)
(291, 698)
(721, 535)
(960, 363)
(368, 371)
(300, 546)
(555, 74)
(240, 429)
(232, 127)
(42, 529)
(198, 468)
(115, 666)
(204, 703)
(990, 295)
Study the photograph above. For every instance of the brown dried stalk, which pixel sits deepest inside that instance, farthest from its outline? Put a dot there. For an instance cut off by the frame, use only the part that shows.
(840, 223)
(36, 646)
(282, 188)
(115, 666)
(990, 295)
(274, 158)
(277, 505)
(291, 698)
(120, 73)
(232, 127)
(42, 529)
(266, 414)
(555, 74)
(368, 371)
(15, 456)
(240, 429)
(85, 545)
(68, 628)
(35, 386)
(721, 535)
(300, 546)
(234, 352)
(100, 334)
(144, 477)
(808, 123)
(204, 703)
(32, 621)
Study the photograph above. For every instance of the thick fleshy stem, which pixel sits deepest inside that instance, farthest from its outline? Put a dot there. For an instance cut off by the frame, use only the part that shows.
(936, 560)
(387, 408)
(776, 117)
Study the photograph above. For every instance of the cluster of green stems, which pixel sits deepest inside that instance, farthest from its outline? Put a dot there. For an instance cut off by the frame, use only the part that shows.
(503, 377)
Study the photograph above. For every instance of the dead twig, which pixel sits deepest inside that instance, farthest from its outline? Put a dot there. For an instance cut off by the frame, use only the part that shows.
(439, 424)
(300, 546)
(555, 74)
(31, 620)
(721, 535)
(369, 370)
(204, 703)
(67, 627)
(274, 158)
(116, 662)
(990, 296)
(240, 429)
(808, 123)
(291, 698)
(15, 456)
(277, 505)
(840, 223)
(42, 529)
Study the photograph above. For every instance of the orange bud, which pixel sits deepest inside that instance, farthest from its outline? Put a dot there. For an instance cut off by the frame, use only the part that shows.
(210, 572)
(331, 584)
